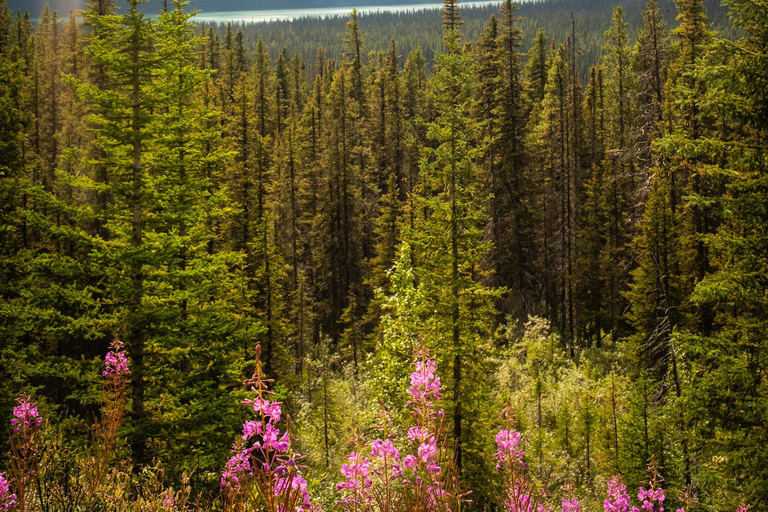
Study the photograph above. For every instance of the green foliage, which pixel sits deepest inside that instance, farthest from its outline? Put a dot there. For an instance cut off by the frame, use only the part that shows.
(593, 258)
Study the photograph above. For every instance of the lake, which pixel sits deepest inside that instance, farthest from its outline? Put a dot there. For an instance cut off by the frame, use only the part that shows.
(321, 12)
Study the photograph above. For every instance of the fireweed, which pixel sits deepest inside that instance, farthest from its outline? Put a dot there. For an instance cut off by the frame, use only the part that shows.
(651, 498)
(569, 502)
(25, 450)
(425, 479)
(519, 491)
(113, 402)
(7, 498)
(263, 472)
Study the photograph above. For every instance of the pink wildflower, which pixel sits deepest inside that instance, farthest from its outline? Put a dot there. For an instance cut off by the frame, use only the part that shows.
(507, 442)
(571, 505)
(425, 385)
(520, 502)
(270, 409)
(7, 499)
(295, 483)
(169, 503)
(381, 449)
(250, 429)
(116, 363)
(236, 469)
(652, 497)
(618, 499)
(25, 415)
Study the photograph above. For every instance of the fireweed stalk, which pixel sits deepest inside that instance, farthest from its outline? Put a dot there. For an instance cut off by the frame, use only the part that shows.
(263, 471)
(570, 503)
(374, 482)
(519, 491)
(426, 479)
(356, 490)
(113, 401)
(25, 449)
(7, 498)
(430, 475)
(617, 499)
(651, 498)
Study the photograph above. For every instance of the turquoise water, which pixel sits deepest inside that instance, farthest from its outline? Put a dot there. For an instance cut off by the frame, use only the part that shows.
(291, 14)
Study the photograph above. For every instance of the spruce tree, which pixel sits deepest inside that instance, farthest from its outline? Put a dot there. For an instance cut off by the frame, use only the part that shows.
(449, 248)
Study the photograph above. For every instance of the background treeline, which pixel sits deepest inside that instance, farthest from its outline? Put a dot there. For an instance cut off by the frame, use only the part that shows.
(591, 250)
(156, 6)
(422, 29)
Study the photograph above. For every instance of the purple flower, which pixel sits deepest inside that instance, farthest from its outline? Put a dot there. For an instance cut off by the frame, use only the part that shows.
(618, 499)
(272, 410)
(7, 499)
(251, 428)
(507, 442)
(649, 496)
(295, 483)
(273, 440)
(25, 415)
(571, 505)
(357, 473)
(116, 364)
(427, 451)
(425, 385)
(384, 449)
(169, 503)
(410, 461)
(520, 502)
(236, 469)
(269, 460)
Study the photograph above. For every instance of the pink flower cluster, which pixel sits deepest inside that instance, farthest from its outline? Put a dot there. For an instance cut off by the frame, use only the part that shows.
(7, 499)
(362, 473)
(379, 481)
(519, 501)
(571, 505)
(654, 496)
(507, 442)
(385, 451)
(262, 437)
(169, 503)
(264, 455)
(26, 417)
(618, 499)
(116, 363)
(355, 489)
(425, 385)
(237, 468)
(521, 493)
(651, 499)
(426, 452)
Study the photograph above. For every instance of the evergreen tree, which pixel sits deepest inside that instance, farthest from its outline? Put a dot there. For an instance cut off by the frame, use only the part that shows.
(161, 286)
(726, 141)
(619, 189)
(651, 65)
(449, 250)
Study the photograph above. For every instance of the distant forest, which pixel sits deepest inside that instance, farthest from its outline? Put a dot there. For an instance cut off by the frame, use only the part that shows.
(423, 29)
(155, 6)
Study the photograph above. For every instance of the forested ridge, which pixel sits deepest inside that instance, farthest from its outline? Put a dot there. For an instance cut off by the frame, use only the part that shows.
(577, 256)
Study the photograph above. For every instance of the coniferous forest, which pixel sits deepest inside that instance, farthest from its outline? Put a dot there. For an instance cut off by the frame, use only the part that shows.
(519, 266)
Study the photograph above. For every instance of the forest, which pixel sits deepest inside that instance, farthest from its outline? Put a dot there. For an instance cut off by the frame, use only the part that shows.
(515, 262)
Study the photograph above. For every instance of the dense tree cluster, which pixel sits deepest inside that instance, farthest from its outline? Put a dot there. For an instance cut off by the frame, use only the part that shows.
(590, 252)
